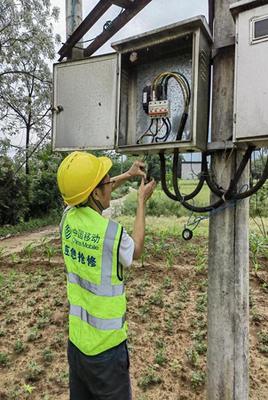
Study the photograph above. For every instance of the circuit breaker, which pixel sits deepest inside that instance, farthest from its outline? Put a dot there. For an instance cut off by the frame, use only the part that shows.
(151, 95)
(251, 77)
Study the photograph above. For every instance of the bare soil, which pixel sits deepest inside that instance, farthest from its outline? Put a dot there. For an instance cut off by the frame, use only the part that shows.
(166, 316)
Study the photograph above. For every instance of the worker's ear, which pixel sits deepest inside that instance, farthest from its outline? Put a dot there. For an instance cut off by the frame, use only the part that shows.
(96, 193)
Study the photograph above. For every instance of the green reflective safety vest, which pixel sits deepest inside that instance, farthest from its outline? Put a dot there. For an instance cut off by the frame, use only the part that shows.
(90, 245)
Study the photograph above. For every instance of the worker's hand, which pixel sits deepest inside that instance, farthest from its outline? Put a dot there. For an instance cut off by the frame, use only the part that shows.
(137, 169)
(146, 190)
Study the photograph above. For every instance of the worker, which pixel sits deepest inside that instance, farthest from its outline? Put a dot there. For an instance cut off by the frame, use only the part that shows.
(95, 250)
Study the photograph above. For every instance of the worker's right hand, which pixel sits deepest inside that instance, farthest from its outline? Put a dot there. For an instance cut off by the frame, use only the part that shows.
(146, 190)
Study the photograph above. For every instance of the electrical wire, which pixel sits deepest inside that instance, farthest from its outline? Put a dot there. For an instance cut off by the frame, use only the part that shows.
(161, 81)
(229, 195)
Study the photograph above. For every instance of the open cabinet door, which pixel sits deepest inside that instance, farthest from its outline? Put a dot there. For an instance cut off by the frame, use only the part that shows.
(85, 103)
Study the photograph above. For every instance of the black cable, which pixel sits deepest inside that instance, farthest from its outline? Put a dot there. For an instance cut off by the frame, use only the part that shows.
(166, 134)
(164, 184)
(181, 198)
(255, 188)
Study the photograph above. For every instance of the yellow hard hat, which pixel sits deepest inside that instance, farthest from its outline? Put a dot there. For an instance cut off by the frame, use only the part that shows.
(79, 174)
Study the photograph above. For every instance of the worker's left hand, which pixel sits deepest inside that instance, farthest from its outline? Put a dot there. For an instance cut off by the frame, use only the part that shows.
(137, 169)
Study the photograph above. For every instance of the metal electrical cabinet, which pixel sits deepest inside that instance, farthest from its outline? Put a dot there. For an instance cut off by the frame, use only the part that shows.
(251, 73)
(98, 101)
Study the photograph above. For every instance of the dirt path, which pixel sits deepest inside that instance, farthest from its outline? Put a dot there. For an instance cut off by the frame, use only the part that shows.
(17, 243)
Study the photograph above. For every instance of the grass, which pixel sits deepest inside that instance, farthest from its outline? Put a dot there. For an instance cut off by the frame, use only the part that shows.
(51, 219)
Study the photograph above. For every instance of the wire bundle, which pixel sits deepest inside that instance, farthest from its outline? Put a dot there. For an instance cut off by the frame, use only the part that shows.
(159, 91)
(230, 194)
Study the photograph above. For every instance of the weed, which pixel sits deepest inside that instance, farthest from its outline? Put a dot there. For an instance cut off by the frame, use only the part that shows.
(58, 340)
(170, 259)
(50, 251)
(31, 302)
(15, 258)
(157, 298)
(140, 290)
(142, 397)
(263, 342)
(63, 378)
(201, 262)
(169, 326)
(33, 371)
(2, 333)
(160, 357)
(167, 283)
(263, 337)
(198, 379)
(155, 327)
(193, 357)
(58, 302)
(4, 359)
(48, 355)
(44, 318)
(2, 253)
(159, 344)
(175, 367)
(256, 316)
(33, 335)
(199, 335)
(28, 388)
(149, 378)
(257, 245)
(28, 250)
(144, 311)
(202, 285)
(19, 346)
(1, 280)
(201, 347)
(201, 304)
(9, 319)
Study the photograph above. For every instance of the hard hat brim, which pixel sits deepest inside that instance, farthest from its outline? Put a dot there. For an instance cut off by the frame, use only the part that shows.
(106, 165)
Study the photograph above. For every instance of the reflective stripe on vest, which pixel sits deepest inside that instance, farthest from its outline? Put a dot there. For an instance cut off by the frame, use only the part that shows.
(105, 288)
(101, 290)
(99, 323)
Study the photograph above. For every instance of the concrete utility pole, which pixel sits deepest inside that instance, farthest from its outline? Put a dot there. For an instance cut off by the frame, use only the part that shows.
(74, 17)
(228, 281)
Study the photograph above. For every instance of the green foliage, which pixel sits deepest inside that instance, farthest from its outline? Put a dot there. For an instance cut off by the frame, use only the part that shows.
(263, 337)
(13, 204)
(149, 378)
(51, 219)
(258, 246)
(33, 371)
(158, 205)
(198, 379)
(47, 355)
(43, 197)
(193, 357)
(19, 346)
(4, 359)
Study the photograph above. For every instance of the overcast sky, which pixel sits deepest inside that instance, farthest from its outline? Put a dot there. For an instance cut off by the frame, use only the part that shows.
(158, 13)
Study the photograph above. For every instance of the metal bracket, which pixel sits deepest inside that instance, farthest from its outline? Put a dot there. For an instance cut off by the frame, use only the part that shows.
(132, 7)
(123, 3)
(225, 145)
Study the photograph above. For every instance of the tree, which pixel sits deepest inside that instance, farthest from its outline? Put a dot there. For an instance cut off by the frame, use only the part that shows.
(26, 47)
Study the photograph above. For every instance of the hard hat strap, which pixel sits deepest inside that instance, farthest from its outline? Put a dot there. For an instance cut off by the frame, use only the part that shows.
(98, 204)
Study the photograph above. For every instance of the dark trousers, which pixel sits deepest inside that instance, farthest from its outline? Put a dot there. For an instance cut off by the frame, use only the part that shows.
(101, 377)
